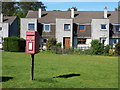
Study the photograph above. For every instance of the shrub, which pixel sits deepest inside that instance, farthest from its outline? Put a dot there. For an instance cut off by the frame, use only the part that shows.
(117, 48)
(106, 49)
(96, 47)
(111, 52)
(51, 42)
(14, 44)
(87, 51)
(58, 44)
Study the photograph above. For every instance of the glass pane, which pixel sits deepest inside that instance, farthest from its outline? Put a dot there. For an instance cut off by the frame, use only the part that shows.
(103, 26)
(117, 28)
(82, 27)
(67, 26)
(47, 27)
(31, 26)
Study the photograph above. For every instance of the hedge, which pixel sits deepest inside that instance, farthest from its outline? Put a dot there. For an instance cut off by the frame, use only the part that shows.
(14, 44)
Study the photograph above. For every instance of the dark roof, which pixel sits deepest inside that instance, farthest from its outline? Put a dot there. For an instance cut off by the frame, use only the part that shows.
(8, 19)
(80, 16)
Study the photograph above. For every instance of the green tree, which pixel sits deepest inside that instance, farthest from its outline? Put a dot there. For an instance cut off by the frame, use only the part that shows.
(9, 8)
(69, 9)
(56, 10)
(13, 8)
(117, 9)
(25, 6)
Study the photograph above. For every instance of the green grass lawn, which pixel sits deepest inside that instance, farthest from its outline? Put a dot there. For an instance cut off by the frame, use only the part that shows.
(95, 71)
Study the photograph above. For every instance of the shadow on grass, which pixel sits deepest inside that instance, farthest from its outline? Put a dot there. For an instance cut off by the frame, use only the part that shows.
(48, 80)
(67, 76)
(4, 79)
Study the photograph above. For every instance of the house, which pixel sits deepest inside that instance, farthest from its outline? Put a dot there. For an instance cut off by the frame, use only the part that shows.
(8, 26)
(74, 28)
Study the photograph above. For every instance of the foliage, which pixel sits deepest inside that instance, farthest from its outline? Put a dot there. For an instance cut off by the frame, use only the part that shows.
(14, 44)
(87, 52)
(97, 48)
(14, 8)
(75, 9)
(117, 48)
(117, 9)
(9, 8)
(51, 42)
(58, 45)
(56, 10)
(111, 52)
(106, 48)
(25, 6)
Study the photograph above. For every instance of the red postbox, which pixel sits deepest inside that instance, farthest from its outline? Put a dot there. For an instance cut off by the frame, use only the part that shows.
(32, 42)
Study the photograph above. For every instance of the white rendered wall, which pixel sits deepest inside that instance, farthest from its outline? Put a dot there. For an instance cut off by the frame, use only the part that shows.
(24, 25)
(60, 32)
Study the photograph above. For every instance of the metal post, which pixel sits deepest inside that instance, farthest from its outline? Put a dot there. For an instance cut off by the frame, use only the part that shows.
(32, 67)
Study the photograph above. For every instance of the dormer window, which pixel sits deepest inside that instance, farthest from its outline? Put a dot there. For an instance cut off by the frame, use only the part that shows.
(31, 27)
(46, 27)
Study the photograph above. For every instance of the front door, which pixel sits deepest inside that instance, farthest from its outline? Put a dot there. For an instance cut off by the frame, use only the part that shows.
(67, 42)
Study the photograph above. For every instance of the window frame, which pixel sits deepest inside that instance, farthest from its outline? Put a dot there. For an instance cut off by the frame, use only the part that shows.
(49, 28)
(83, 29)
(101, 27)
(118, 29)
(67, 29)
(29, 28)
(82, 40)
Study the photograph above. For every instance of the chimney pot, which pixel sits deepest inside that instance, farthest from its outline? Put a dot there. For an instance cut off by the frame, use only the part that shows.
(72, 12)
(39, 13)
(105, 12)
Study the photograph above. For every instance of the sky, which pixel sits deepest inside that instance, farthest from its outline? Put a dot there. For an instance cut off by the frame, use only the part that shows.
(82, 6)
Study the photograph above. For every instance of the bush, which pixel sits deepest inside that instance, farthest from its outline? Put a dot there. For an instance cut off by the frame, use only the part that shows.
(111, 52)
(117, 48)
(96, 47)
(87, 52)
(58, 44)
(106, 49)
(51, 42)
(14, 44)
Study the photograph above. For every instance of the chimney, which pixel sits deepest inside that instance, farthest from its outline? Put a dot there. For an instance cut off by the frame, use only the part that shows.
(1, 18)
(72, 12)
(39, 13)
(105, 12)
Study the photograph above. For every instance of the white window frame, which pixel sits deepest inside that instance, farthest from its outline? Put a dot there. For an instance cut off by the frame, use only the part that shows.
(49, 28)
(103, 29)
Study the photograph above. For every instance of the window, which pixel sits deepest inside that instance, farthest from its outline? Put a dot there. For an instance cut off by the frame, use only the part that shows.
(47, 28)
(103, 26)
(82, 28)
(82, 41)
(117, 28)
(67, 27)
(31, 27)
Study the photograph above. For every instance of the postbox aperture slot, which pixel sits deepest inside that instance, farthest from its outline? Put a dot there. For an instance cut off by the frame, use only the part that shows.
(30, 35)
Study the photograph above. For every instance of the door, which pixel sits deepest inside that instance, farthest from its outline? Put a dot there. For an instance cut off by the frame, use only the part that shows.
(67, 42)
